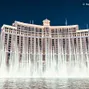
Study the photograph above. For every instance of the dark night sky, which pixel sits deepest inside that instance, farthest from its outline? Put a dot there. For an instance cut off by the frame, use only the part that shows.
(37, 10)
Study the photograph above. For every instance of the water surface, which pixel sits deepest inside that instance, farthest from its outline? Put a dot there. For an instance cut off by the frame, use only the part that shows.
(44, 83)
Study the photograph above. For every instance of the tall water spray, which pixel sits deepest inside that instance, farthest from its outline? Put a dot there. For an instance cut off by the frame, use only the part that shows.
(68, 60)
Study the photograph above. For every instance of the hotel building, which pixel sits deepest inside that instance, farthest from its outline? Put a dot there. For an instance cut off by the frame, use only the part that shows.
(44, 39)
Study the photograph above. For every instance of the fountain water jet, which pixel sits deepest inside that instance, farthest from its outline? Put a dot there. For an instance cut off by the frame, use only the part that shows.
(65, 63)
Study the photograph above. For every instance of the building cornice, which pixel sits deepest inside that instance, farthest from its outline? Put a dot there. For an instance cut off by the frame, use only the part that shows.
(41, 26)
(27, 24)
(8, 26)
(68, 26)
(83, 30)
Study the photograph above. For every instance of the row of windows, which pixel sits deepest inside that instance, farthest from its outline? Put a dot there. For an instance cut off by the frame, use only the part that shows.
(53, 41)
(46, 29)
(53, 34)
(6, 36)
(29, 28)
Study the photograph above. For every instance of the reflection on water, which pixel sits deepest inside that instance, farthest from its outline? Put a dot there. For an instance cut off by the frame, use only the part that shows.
(44, 83)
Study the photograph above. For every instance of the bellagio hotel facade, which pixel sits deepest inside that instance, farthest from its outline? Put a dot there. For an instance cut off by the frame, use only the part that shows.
(35, 39)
